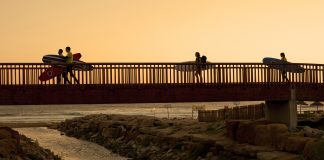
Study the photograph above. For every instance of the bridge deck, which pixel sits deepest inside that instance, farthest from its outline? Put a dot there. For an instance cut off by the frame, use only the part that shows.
(159, 82)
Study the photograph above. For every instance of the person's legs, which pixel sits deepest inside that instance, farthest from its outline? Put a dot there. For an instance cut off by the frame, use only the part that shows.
(64, 75)
(197, 73)
(58, 79)
(198, 76)
(68, 70)
(75, 79)
(71, 73)
(284, 76)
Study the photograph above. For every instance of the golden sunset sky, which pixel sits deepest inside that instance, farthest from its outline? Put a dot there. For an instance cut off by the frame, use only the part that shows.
(163, 30)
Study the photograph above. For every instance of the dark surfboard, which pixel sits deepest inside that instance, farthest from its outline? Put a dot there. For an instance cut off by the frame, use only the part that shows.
(191, 66)
(275, 63)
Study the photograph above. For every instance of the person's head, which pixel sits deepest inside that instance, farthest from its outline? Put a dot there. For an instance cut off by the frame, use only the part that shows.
(282, 54)
(197, 54)
(60, 51)
(68, 49)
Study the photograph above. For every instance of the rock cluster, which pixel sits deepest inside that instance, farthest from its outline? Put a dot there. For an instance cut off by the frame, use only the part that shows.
(306, 141)
(142, 137)
(15, 146)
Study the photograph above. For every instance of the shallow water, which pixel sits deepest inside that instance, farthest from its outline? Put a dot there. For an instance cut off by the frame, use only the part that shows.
(57, 113)
(74, 149)
(68, 148)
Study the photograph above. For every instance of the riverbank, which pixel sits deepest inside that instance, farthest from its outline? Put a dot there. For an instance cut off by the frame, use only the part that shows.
(145, 137)
(15, 146)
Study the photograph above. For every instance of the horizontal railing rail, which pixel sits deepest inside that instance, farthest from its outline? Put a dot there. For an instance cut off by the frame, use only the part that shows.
(164, 73)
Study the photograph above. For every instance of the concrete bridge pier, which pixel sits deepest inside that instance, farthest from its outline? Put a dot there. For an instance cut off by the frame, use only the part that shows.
(283, 111)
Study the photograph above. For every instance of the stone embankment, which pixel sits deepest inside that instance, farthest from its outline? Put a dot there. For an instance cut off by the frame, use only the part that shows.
(142, 137)
(305, 141)
(18, 147)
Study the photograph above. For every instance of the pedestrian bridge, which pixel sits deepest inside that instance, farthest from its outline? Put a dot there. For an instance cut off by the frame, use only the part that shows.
(159, 82)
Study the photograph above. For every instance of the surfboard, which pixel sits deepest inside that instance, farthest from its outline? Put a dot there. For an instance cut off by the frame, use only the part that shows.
(78, 65)
(56, 70)
(82, 66)
(50, 73)
(190, 66)
(59, 59)
(282, 65)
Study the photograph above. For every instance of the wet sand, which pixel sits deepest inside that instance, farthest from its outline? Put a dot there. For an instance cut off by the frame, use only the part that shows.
(68, 148)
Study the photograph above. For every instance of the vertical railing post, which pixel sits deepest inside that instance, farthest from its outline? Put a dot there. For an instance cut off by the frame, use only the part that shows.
(23, 75)
(219, 73)
(316, 74)
(244, 75)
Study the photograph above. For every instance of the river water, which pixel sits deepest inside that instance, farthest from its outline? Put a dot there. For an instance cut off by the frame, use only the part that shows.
(68, 148)
(74, 149)
(57, 113)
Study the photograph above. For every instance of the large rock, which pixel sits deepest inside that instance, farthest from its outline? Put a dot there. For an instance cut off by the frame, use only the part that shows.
(9, 142)
(314, 150)
(280, 141)
(231, 128)
(270, 135)
(246, 130)
(311, 132)
(263, 136)
(276, 155)
(278, 132)
(111, 132)
(247, 149)
(296, 144)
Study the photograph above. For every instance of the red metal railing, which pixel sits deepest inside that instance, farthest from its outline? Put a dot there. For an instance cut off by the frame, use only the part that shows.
(163, 73)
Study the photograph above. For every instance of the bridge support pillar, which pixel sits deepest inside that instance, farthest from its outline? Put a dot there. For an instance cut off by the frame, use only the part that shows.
(283, 111)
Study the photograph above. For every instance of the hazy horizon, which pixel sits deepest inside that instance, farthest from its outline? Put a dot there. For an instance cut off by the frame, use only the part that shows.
(163, 31)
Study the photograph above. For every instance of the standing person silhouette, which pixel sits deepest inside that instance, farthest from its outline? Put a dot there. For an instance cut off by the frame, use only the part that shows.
(284, 73)
(198, 67)
(69, 62)
(59, 77)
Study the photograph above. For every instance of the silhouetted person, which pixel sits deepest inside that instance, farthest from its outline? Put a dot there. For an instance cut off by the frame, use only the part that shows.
(284, 73)
(198, 67)
(69, 62)
(59, 77)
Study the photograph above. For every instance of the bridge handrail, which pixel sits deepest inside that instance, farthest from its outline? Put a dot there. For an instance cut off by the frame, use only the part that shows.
(164, 73)
(163, 63)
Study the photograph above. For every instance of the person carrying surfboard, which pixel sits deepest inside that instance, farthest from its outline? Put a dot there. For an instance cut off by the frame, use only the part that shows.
(284, 73)
(69, 62)
(198, 67)
(59, 77)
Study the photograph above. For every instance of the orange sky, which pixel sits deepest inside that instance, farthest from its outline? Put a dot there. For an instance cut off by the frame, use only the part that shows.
(163, 30)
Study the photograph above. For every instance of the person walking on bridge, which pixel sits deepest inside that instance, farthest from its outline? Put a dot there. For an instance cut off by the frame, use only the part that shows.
(198, 67)
(59, 77)
(284, 73)
(69, 62)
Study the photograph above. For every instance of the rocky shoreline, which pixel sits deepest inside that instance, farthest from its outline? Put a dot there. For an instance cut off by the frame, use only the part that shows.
(18, 147)
(144, 137)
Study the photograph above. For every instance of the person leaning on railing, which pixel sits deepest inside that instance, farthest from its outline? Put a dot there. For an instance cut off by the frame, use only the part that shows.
(69, 62)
